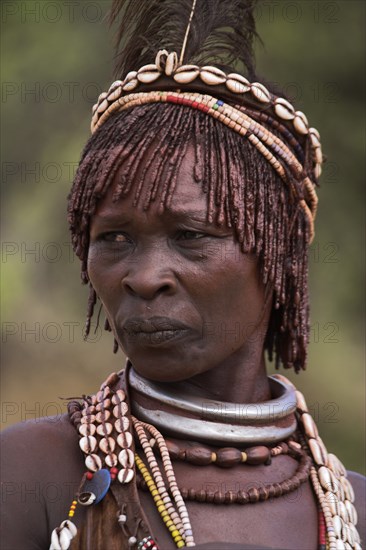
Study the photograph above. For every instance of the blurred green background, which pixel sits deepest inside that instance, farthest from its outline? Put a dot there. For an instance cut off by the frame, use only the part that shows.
(56, 58)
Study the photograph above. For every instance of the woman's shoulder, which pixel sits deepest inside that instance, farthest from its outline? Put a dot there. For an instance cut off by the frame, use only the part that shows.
(41, 467)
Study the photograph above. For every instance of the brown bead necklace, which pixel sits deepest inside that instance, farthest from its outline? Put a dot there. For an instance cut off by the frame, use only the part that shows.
(254, 494)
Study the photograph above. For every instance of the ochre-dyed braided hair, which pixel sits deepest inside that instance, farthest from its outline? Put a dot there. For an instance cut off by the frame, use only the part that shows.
(264, 213)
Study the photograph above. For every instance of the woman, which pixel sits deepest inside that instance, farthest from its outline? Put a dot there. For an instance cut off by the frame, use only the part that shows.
(192, 220)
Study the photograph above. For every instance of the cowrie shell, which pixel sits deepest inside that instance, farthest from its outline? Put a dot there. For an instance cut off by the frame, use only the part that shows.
(118, 397)
(107, 445)
(105, 429)
(88, 444)
(70, 526)
(316, 452)
(237, 83)
(115, 94)
(93, 462)
(105, 404)
(87, 429)
(284, 109)
(124, 440)
(212, 76)
(309, 425)
(126, 458)
(130, 85)
(88, 419)
(125, 475)
(122, 408)
(148, 74)
(103, 106)
(186, 74)
(171, 63)
(111, 460)
(122, 424)
(301, 123)
(260, 92)
(102, 416)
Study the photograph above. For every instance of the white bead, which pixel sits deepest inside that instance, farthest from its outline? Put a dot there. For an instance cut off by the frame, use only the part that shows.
(102, 416)
(260, 92)
(132, 541)
(340, 545)
(122, 518)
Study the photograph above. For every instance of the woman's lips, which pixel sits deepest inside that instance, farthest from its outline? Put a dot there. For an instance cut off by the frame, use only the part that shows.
(154, 330)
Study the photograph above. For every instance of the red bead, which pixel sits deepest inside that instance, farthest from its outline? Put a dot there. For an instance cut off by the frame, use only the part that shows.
(114, 470)
(89, 475)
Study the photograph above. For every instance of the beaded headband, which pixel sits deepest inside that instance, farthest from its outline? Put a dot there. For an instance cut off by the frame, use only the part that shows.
(254, 104)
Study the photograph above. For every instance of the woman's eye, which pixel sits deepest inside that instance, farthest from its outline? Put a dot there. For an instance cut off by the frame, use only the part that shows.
(190, 235)
(115, 237)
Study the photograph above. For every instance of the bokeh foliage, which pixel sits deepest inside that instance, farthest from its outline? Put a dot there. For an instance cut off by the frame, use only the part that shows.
(56, 58)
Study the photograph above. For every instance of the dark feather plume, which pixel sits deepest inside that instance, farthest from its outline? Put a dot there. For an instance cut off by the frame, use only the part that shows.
(221, 33)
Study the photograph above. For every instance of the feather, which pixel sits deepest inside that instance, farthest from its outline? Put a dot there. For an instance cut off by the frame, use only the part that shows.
(221, 33)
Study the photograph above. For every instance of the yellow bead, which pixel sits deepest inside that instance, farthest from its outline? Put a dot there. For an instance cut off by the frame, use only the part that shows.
(74, 502)
(161, 508)
(175, 533)
(154, 492)
(71, 513)
(180, 544)
(169, 523)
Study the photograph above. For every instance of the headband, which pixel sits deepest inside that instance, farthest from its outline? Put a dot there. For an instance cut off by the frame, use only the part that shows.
(251, 106)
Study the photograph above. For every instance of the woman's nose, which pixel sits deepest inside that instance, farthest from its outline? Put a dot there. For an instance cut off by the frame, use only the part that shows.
(149, 278)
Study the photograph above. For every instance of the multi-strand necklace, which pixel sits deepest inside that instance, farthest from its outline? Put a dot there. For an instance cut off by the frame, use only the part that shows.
(108, 433)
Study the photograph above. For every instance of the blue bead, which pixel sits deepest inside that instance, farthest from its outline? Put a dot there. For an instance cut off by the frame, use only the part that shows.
(98, 485)
(220, 102)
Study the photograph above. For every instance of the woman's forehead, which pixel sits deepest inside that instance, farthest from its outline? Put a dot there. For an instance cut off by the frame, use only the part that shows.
(187, 199)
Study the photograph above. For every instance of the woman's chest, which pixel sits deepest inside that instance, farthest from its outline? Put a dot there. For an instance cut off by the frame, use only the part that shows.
(288, 522)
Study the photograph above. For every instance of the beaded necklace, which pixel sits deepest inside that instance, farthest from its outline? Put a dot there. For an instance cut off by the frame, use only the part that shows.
(105, 428)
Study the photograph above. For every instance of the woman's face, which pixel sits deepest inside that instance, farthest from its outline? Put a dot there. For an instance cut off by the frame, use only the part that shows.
(180, 295)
